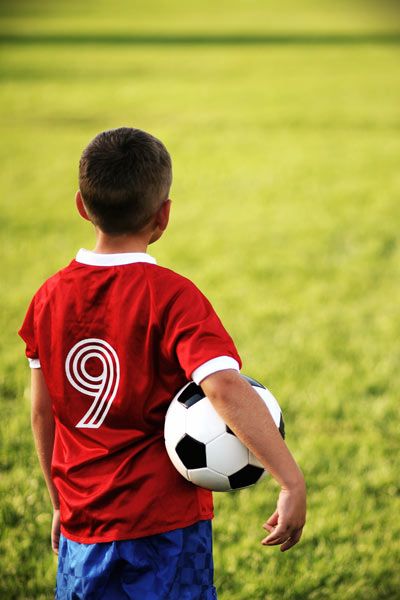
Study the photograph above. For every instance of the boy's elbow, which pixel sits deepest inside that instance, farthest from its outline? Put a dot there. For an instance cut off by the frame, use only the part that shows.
(220, 386)
(40, 411)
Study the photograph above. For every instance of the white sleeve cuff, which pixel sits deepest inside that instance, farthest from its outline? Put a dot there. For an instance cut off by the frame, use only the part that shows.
(213, 366)
(34, 363)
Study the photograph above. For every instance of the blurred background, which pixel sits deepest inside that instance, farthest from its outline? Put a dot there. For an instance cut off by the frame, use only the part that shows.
(282, 119)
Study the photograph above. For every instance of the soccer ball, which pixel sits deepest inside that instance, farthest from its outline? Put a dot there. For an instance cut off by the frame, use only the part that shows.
(203, 448)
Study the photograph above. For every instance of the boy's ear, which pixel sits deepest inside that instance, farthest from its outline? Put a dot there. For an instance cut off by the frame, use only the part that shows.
(160, 221)
(162, 217)
(80, 206)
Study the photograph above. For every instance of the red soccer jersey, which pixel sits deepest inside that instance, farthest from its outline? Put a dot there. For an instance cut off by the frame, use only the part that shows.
(116, 337)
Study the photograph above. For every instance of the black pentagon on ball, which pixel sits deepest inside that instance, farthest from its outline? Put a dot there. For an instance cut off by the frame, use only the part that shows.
(192, 453)
(246, 476)
(191, 395)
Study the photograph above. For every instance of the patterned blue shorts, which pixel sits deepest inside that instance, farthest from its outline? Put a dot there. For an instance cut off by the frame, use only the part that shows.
(176, 565)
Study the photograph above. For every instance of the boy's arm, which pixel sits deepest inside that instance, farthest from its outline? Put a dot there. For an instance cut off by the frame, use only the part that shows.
(246, 414)
(43, 428)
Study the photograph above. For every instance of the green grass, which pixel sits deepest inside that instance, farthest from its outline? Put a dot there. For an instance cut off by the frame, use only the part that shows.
(285, 214)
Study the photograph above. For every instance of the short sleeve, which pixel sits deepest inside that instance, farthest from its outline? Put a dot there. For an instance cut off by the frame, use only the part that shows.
(193, 333)
(27, 333)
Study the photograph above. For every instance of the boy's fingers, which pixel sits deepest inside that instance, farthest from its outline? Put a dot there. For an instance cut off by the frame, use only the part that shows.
(55, 540)
(292, 540)
(280, 534)
(274, 542)
(286, 539)
(54, 545)
(273, 520)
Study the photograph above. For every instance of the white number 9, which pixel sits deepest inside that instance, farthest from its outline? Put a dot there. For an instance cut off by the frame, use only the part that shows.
(103, 387)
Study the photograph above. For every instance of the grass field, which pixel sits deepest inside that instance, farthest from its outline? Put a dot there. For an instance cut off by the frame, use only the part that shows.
(284, 128)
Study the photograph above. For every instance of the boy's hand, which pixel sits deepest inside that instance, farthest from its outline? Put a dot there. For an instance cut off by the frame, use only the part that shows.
(287, 522)
(55, 530)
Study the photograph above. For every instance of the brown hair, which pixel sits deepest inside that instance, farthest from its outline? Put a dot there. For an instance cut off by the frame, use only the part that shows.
(124, 176)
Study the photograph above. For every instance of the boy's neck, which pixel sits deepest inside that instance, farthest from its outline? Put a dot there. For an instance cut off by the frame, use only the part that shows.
(107, 244)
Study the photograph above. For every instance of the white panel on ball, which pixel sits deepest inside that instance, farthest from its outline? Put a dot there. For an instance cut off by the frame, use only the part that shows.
(174, 430)
(203, 423)
(226, 454)
(175, 425)
(209, 479)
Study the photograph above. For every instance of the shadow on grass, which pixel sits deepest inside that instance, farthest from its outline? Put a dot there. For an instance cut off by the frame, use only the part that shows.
(202, 39)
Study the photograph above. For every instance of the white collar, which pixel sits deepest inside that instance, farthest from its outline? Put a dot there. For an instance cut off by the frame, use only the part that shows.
(87, 257)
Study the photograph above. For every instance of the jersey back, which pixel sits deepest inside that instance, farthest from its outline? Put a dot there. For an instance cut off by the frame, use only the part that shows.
(115, 343)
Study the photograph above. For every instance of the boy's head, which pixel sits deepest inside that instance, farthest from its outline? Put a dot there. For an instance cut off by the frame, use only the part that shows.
(124, 177)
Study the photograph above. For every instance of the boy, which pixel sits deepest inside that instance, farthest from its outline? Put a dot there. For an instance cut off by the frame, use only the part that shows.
(110, 339)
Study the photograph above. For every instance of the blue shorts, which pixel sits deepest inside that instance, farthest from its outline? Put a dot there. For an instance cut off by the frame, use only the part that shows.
(176, 565)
